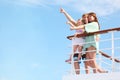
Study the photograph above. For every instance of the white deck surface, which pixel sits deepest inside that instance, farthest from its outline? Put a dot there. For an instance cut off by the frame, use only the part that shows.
(98, 76)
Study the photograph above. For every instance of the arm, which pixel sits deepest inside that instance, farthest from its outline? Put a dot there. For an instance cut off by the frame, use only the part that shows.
(71, 24)
(77, 27)
(68, 16)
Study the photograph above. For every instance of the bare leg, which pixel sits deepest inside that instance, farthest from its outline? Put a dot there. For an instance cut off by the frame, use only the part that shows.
(77, 67)
(79, 50)
(76, 63)
(74, 50)
(86, 67)
(92, 55)
(92, 63)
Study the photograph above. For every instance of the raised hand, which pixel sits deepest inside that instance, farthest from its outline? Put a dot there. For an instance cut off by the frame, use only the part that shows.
(62, 10)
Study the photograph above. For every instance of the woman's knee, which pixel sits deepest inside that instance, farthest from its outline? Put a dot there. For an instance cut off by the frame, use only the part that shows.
(75, 48)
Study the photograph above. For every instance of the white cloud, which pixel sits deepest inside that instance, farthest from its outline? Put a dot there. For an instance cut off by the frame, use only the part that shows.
(30, 3)
(101, 7)
(34, 2)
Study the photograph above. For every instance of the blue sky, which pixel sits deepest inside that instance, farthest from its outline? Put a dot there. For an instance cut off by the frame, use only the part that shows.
(33, 35)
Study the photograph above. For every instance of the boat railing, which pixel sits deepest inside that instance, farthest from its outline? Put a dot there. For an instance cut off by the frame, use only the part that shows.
(108, 57)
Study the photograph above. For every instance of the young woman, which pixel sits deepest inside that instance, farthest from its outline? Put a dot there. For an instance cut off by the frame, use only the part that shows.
(77, 42)
(91, 43)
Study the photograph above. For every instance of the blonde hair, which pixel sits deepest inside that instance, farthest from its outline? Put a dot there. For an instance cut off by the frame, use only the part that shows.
(84, 15)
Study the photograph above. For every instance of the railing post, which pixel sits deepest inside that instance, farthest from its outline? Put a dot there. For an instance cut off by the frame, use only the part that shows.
(112, 36)
(72, 62)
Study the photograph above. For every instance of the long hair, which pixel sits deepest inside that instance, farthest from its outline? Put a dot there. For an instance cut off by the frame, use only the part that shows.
(83, 16)
(94, 15)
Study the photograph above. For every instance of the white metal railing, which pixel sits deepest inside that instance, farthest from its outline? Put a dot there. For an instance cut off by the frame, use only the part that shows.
(110, 49)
